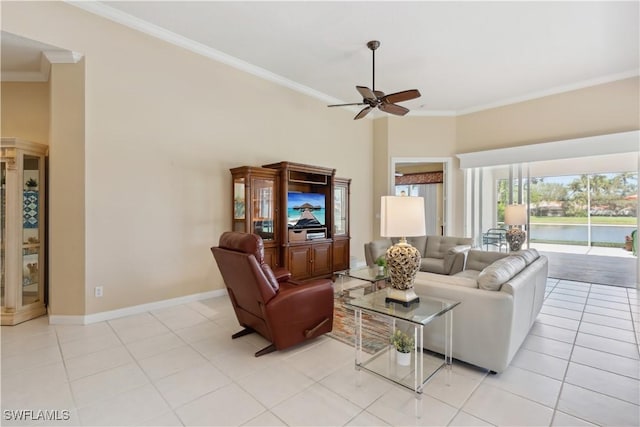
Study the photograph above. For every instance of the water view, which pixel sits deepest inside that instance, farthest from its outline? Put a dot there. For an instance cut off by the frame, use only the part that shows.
(589, 209)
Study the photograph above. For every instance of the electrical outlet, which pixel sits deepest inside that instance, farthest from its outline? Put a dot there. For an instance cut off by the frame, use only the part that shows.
(98, 291)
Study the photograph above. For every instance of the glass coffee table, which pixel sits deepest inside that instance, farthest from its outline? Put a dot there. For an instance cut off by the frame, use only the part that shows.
(378, 279)
(415, 317)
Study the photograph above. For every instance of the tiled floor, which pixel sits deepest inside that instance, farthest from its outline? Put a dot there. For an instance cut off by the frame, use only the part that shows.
(178, 366)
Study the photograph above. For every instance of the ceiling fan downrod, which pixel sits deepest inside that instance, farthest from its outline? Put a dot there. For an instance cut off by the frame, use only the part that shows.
(373, 45)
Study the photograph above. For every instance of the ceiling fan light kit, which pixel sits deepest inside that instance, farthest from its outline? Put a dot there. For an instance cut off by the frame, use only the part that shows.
(373, 98)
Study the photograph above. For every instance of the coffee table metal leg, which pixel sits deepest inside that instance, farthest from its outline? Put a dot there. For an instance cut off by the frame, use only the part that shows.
(448, 345)
(418, 367)
(418, 405)
(358, 343)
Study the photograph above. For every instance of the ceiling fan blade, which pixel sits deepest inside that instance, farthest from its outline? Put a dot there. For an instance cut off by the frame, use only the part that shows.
(401, 96)
(362, 113)
(366, 93)
(346, 105)
(393, 109)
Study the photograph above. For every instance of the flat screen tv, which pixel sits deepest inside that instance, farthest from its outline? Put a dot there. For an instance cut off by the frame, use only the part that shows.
(305, 210)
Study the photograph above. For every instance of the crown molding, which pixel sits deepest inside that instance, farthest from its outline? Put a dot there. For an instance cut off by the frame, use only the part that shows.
(553, 91)
(62, 56)
(432, 113)
(127, 20)
(47, 58)
(42, 75)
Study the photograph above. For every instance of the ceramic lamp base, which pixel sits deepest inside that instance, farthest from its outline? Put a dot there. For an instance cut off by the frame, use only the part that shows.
(403, 262)
(405, 297)
(516, 237)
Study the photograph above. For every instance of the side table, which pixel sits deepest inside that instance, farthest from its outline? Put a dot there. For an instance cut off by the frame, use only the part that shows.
(416, 316)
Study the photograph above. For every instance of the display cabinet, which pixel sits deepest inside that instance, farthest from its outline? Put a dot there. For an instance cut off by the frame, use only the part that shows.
(341, 237)
(301, 212)
(255, 207)
(22, 280)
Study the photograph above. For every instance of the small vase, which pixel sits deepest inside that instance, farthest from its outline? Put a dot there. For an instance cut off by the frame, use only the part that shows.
(381, 270)
(403, 359)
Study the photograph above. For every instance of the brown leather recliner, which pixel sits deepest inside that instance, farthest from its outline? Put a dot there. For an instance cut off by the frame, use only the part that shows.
(267, 302)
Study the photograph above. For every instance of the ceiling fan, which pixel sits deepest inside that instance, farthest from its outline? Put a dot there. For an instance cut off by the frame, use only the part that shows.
(373, 98)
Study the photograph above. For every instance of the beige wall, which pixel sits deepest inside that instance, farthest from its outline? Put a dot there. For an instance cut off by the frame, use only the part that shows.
(382, 169)
(422, 137)
(163, 126)
(598, 110)
(25, 111)
(67, 224)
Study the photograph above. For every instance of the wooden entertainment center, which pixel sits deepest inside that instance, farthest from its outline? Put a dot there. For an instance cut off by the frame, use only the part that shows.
(300, 211)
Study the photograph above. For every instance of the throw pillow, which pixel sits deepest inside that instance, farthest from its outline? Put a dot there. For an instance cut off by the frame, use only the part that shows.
(492, 277)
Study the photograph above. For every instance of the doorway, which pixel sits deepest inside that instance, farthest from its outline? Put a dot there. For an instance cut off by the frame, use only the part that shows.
(426, 177)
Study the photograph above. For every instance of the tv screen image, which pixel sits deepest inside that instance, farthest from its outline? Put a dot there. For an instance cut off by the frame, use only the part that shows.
(305, 210)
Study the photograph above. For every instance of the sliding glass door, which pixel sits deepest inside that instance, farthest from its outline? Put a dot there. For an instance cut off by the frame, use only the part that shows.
(588, 210)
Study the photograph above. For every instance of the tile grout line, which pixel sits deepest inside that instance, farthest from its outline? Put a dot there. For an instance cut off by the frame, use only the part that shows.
(564, 378)
(66, 373)
(137, 363)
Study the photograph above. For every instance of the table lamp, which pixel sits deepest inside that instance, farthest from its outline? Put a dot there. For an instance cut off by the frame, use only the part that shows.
(402, 216)
(515, 216)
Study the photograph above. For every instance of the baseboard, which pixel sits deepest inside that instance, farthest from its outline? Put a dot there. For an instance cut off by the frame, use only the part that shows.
(129, 311)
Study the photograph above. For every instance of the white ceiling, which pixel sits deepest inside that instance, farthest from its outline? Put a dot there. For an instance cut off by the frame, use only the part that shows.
(462, 56)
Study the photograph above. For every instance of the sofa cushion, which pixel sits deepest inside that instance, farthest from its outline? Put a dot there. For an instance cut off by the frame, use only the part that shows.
(438, 246)
(529, 255)
(419, 243)
(461, 281)
(433, 265)
(492, 277)
(479, 260)
(425, 278)
(468, 274)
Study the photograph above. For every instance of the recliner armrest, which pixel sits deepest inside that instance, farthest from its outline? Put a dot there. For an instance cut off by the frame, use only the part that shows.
(282, 274)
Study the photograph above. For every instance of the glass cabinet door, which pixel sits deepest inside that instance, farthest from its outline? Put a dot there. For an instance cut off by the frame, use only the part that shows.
(255, 207)
(31, 222)
(263, 207)
(239, 204)
(341, 206)
(3, 226)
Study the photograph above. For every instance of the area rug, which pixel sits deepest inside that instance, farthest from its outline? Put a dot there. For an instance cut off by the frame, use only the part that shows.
(375, 330)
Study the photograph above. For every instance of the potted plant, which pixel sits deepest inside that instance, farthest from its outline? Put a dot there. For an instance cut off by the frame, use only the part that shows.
(381, 262)
(403, 344)
(31, 184)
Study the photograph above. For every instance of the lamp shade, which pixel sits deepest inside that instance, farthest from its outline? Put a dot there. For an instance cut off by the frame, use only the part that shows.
(402, 216)
(515, 215)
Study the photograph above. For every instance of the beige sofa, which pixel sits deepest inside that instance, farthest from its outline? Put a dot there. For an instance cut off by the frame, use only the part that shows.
(500, 295)
(440, 254)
